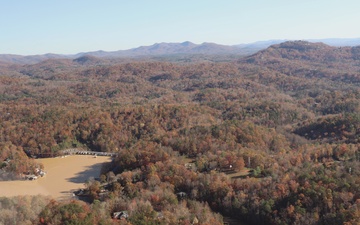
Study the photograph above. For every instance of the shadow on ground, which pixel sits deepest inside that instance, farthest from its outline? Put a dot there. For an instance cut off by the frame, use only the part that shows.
(83, 176)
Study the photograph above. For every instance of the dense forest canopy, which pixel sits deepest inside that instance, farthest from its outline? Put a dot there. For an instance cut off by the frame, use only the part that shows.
(272, 138)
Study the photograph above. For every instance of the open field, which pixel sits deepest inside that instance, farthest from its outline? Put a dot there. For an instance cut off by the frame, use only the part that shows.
(64, 175)
(241, 174)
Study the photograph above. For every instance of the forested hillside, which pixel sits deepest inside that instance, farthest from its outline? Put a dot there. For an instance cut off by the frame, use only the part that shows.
(272, 138)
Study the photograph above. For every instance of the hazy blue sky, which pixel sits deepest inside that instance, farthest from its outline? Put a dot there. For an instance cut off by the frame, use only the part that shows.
(72, 26)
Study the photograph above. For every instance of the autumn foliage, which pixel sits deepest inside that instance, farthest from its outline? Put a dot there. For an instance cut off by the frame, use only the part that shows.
(271, 138)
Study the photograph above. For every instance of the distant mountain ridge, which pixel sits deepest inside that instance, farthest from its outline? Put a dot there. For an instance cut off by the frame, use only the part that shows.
(169, 49)
(163, 49)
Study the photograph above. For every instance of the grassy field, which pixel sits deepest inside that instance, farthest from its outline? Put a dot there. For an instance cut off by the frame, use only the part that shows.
(241, 174)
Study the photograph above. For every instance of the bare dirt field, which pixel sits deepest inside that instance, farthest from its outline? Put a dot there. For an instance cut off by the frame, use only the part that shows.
(64, 175)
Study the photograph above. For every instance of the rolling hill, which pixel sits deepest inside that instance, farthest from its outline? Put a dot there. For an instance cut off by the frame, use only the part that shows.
(287, 118)
(168, 49)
